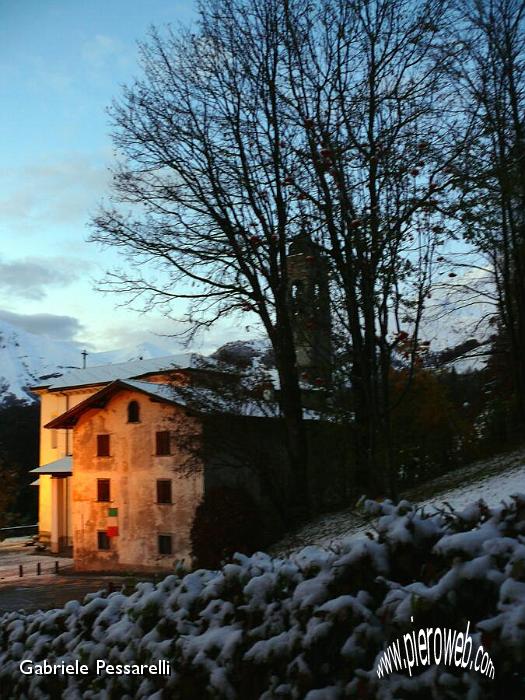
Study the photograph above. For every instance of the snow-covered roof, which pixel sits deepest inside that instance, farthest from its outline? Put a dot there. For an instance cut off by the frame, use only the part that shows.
(161, 391)
(103, 374)
(207, 400)
(195, 398)
(69, 418)
(60, 467)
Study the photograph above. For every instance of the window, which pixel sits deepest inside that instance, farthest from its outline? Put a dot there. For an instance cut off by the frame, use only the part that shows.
(164, 544)
(297, 289)
(103, 490)
(102, 445)
(297, 297)
(54, 439)
(133, 412)
(163, 490)
(102, 540)
(163, 442)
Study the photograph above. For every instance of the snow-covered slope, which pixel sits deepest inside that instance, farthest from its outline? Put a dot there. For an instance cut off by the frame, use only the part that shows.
(491, 480)
(26, 357)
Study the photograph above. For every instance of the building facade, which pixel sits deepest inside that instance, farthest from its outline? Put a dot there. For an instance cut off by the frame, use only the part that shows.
(73, 457)
(133, 500)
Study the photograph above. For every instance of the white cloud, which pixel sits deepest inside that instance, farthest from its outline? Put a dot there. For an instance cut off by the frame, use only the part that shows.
(61, 191)
(51, 325)
(29, 278)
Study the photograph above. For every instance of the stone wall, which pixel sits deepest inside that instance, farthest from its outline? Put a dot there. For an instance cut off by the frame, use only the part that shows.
(133, 469)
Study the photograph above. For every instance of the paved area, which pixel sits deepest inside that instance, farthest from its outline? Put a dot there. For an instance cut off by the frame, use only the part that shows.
(47, 590)
(14, 553)
(51, 592)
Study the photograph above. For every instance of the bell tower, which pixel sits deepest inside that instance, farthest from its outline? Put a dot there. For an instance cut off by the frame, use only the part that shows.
(309, 298)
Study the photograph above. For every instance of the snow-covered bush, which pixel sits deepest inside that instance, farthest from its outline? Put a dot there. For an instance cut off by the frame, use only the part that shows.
(313, 626)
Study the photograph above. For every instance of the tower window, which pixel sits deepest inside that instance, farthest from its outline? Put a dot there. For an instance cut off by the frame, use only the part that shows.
(297, 297)
(162, 439)
(103, 445)
(133, 412)
(164, 544)
(297, 289)
(103, 490)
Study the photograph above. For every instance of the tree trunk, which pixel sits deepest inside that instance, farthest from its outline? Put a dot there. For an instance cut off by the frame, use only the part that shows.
(370, 467)
(292, 411)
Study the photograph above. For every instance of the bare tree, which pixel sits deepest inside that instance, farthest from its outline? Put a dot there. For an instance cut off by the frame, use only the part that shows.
(278, 118)
(491, 77)
(377, 121)
(201, 137)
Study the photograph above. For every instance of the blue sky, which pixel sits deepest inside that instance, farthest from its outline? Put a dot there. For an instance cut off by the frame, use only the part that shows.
(61, 63)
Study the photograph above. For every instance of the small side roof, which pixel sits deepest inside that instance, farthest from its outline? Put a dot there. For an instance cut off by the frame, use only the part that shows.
(103, 374)
(60, 467)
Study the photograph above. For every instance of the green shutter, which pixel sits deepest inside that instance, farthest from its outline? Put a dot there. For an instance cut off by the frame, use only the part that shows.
(112, 512)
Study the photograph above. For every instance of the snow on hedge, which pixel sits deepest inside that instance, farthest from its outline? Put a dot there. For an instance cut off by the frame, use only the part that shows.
(313, 626)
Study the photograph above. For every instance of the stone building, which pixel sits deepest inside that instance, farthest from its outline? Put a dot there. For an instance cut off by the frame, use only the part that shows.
(178, 458)
(129, 453)
(58, 394)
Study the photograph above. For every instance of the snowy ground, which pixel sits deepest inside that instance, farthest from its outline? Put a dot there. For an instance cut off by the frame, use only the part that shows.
(491, 480)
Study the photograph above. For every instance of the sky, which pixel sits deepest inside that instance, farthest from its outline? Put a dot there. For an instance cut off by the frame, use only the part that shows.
(61, 64)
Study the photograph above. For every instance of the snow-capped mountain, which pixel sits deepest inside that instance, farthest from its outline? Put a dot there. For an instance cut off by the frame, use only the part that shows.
(26, 357)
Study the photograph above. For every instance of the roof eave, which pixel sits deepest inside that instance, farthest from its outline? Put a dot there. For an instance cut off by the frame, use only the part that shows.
(97, 401)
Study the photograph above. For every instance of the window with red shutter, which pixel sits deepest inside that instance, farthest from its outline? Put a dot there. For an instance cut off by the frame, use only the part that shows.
(103, 541)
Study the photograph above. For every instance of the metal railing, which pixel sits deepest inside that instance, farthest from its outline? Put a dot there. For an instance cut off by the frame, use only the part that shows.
(18, 531)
